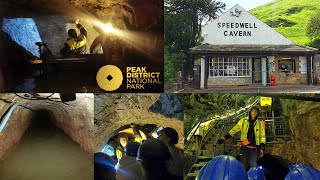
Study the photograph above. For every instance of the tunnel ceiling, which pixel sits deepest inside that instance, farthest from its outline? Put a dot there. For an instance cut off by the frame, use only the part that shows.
(113, 111)
(30, 8)
(136, 13)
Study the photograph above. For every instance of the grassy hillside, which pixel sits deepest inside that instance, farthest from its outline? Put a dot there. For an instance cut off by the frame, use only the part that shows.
(288, 17)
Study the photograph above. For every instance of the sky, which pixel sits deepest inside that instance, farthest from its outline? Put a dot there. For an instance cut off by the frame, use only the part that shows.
(246, 4)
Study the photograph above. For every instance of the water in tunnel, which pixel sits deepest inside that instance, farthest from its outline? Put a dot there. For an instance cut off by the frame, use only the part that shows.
(46, 152)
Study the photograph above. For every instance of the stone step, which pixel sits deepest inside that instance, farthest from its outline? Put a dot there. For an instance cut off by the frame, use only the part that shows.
(200, 164)
(192, 174)
(210, 142)
(204, 157)
(207, 146)
(208, 152)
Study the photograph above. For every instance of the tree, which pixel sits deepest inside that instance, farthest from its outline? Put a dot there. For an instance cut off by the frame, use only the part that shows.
(183, 21)
(172, 63)
(313, 30)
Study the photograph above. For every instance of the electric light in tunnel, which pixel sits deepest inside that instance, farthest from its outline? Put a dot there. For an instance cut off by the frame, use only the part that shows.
(108, 28)
(102, 161)
(154, 133)
(143, 135)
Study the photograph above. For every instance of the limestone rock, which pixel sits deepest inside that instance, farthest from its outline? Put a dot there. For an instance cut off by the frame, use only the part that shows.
(113, 111)
(74, 118)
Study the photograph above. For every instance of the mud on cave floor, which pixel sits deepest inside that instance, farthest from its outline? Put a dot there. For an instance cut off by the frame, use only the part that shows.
(46, 152)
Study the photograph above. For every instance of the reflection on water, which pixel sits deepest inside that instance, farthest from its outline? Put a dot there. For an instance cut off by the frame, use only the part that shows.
(46, 152)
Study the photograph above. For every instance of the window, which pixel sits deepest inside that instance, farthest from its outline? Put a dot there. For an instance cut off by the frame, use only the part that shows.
(229, 67)
(287, 66)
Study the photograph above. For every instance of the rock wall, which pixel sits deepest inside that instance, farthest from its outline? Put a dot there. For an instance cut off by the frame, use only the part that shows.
(15, 127)
(304, 122)
(74, 118)
(113, 111)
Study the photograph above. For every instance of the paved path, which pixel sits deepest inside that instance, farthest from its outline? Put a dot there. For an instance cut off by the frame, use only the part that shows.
(256, 89)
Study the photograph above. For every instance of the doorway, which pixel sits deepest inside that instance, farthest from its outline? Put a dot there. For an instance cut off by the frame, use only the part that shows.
(256, 71)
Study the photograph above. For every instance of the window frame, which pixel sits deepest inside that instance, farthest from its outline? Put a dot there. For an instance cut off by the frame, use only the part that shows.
(230, 67)
(291, 62)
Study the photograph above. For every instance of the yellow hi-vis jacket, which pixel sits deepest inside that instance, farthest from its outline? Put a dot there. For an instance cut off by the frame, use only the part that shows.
(76, 43)
(243, 126)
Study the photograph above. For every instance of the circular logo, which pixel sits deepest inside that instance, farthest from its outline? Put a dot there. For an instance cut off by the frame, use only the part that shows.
(109, 77)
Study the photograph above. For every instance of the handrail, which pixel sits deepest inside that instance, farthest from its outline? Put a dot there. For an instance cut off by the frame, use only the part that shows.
(215, 143)
(215, 118)
(234, 115)
(196, 128)
(209, 129)
(6, 116)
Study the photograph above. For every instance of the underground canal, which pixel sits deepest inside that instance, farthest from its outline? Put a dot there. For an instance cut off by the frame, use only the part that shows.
(47, 149)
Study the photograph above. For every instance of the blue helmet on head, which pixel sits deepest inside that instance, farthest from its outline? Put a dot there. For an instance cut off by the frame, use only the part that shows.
(223, 167)
(171, 133)
(302, 172)
(256, 173)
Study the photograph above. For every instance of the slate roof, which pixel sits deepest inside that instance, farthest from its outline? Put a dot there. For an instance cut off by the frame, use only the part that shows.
(208, 48)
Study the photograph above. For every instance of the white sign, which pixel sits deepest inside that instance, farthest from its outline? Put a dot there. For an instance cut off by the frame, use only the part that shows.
(237, 26)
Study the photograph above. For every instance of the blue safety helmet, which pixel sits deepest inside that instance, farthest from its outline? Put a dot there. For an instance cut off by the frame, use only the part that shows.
(223, 167)
(256, 173)
(171, 133)
(302, 172)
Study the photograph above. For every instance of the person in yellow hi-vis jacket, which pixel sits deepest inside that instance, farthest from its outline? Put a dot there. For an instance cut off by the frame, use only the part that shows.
(253, 138)
(75, 44)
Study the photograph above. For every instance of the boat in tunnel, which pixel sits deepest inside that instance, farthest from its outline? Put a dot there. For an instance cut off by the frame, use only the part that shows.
(45, 138)
(138, 136)
(38, 55)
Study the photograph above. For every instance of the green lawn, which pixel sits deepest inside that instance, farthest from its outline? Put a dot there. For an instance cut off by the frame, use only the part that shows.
(288, 17)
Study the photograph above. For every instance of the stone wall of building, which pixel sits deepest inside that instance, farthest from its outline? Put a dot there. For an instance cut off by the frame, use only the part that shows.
(290, 79)
(229, 81)
(316, 68)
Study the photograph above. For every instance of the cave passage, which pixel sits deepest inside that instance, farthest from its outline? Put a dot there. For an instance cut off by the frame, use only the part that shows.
(46, 152)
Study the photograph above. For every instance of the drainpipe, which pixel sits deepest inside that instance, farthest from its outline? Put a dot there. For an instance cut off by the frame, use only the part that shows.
(6, 116)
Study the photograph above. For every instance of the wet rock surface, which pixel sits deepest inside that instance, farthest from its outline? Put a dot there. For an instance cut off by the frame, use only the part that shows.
(304, 124)
(74, 118)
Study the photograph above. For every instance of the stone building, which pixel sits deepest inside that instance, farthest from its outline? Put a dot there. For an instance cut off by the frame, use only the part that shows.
(239, 49)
